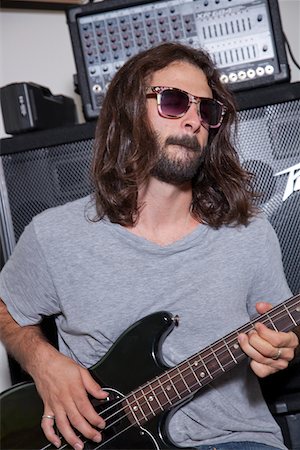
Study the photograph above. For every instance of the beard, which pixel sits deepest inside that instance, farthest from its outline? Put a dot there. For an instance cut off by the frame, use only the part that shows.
(180, 167)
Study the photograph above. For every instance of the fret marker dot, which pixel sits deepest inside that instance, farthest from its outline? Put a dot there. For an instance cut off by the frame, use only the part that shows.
(135, 408)
(150, 398)
(298, 309)
(236, 346)
(168, 387)
(202, 374)
(196, 363)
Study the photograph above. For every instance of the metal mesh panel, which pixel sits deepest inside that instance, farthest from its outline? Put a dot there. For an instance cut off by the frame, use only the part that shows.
(269, 143)
(46, 177)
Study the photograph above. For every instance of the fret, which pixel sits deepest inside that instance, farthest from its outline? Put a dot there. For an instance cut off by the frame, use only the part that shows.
(133, 410)
(197, 367)
(230, 352)
(148, 403)
(156, 397)
(281, 319)
(290, 316)
(206, 368)
(236, 349)
(183, 379)
(153, 397)
(296, 314)
(271, 321)
(137, 406)
(217, 359)
(173, 385)
(194, 373)
(161, 389)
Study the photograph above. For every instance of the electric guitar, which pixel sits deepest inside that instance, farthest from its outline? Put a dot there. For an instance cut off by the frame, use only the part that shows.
(142, 390)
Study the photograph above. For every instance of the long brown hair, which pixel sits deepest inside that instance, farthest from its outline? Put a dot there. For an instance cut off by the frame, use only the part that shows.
(126, 148)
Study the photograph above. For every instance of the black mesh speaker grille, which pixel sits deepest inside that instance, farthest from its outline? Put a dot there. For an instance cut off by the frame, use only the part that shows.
(45, 177)
(268, 142)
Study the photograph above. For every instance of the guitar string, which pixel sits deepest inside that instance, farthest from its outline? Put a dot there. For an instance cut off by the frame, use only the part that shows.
(207, 361)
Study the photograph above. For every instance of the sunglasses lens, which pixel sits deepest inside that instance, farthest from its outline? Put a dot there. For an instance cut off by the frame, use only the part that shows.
(173, 103)
(210, 112)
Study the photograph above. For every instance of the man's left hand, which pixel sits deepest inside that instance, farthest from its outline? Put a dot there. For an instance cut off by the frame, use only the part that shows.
(269, 350)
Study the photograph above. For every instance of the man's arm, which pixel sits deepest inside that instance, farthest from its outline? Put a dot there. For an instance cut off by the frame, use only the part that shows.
(62, 384)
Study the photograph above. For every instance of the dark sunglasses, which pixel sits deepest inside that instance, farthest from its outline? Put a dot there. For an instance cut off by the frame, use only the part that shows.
(174, 103)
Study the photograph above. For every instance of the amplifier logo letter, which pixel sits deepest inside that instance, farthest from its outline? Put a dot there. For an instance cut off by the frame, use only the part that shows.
(293, 182)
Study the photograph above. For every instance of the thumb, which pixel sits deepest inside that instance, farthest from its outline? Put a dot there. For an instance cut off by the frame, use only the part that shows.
(263, 307)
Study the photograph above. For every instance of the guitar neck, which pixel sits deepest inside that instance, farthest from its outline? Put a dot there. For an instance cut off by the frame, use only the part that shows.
(182, 381)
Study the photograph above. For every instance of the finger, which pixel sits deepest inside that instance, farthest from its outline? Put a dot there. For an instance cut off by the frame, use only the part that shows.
(88, 412)
(67, 432)
(47, 425)
(262, 370)
(264, 341)
(260, 351)
(65, 424)
(278, 340)
(91, 386)
(263, 307)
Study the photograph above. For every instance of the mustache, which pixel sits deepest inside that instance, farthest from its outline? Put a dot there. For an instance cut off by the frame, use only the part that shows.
(190, 142)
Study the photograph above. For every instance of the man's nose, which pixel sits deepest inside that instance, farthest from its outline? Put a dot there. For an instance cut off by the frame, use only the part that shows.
(192, 119)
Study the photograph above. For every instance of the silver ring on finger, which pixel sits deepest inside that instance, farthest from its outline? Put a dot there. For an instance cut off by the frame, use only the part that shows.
(278, 354)
(48, 416)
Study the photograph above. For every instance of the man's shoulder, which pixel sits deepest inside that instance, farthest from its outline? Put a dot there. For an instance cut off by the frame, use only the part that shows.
(260, 225)
(67, 221)
(256, 231)
(76, 209)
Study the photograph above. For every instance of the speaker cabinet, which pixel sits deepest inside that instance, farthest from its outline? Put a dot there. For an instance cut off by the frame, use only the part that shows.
(268, 142)
(41, 170)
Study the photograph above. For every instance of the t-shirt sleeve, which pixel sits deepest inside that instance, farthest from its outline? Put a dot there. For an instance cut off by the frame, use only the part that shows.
(269, 283)
(26, 286)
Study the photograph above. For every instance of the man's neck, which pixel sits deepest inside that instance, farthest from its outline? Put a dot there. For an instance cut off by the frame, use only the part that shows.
(165, 213)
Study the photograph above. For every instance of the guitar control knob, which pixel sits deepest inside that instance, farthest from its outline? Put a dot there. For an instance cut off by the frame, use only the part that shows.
(176, 320)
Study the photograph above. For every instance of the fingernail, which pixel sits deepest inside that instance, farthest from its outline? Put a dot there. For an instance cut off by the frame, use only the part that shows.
(97, 438)
(101, 425)
(57, 444)
(78, 446)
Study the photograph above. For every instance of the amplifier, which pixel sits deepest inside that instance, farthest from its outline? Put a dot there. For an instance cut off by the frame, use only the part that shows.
(244, 38)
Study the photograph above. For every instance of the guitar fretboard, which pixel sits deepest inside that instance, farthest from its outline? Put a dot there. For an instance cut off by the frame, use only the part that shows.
(182, 381)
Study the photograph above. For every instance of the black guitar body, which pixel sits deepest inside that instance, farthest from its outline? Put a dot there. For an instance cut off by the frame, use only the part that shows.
(133, 360)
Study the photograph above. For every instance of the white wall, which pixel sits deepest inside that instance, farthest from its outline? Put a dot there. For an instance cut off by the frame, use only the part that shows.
(35, 46)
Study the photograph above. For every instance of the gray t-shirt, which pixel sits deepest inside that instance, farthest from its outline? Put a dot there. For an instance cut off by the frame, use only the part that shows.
(98, 278)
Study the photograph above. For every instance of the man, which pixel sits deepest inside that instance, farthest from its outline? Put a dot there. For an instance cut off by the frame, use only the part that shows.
(172, 227)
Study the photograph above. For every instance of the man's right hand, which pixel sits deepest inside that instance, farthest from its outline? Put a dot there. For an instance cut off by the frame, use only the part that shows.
(62, 384)
(64, 387)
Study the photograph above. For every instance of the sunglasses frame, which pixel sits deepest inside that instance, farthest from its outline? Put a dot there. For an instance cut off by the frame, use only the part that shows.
(157, 91)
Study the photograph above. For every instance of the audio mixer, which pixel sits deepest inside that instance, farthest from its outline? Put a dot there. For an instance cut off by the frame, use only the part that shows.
(244, 38)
